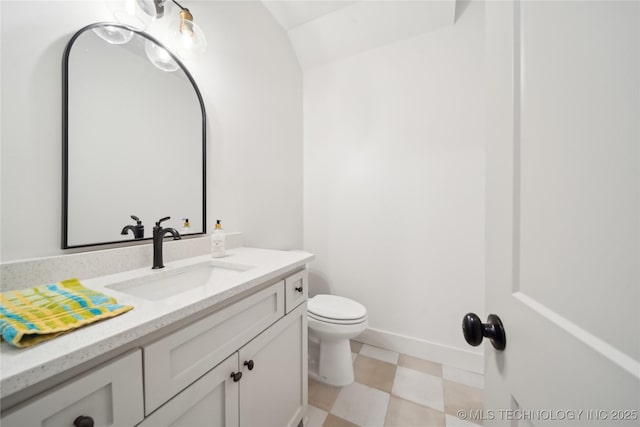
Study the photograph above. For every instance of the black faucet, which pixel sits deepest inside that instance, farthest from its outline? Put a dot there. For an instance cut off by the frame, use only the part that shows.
(138, 229)
(158, 237)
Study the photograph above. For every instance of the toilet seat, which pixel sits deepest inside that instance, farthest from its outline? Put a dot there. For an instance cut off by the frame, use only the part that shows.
(336, 309)
(337, 321)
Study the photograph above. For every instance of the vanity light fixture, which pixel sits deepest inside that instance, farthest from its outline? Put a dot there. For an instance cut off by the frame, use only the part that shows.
(188, 39)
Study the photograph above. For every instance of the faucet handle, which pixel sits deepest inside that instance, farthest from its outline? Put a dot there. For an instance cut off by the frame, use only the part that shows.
(161, 220)
(136, 219)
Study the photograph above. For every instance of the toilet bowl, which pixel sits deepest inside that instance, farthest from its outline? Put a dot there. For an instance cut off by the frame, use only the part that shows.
(333, 321)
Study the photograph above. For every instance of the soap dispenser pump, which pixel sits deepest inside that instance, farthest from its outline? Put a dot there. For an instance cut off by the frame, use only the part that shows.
(218, 241)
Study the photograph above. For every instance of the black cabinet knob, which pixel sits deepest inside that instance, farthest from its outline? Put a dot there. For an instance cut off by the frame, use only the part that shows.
(299, 289)
(249, 364)
(236, 376)
(474, 330)
(83, 421)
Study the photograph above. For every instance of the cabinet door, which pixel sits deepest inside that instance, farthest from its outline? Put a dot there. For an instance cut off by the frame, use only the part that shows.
(111, 395)
(210, 401)
(274, 392)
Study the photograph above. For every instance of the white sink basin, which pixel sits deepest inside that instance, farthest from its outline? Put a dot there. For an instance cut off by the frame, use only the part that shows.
(161, 284)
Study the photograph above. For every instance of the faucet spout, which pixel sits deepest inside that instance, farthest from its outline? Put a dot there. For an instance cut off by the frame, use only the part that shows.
(158, 238)
(176, 235)
(128, 228)
(137, 230)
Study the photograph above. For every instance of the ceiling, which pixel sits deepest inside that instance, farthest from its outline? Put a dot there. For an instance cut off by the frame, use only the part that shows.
(291, 14)
(322, 31)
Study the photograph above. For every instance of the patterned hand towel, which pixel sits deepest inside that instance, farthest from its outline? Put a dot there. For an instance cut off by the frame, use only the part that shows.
(29, 316)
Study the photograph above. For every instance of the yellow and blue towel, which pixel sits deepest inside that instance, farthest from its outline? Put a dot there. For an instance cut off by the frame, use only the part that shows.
(29, 316)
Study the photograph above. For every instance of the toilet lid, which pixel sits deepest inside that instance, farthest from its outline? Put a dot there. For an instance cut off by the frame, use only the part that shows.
(336, 307)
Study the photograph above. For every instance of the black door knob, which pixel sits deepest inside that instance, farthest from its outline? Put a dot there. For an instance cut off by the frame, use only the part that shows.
(83, 421)
(299, 289)
(474, 330)
(236, 376)
(249, 364)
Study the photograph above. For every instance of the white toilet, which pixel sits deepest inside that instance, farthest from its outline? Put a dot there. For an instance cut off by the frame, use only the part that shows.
(333, 321)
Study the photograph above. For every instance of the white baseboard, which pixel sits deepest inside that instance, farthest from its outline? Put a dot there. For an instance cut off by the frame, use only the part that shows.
(450, 356)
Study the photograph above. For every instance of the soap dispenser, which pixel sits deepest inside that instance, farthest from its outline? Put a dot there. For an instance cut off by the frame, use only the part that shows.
(186, 226)
(218, 241)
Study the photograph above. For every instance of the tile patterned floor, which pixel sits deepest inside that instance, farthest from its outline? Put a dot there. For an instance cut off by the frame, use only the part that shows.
(395, 390)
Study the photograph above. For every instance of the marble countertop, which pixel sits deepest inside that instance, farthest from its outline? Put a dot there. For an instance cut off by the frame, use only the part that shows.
(22, 368)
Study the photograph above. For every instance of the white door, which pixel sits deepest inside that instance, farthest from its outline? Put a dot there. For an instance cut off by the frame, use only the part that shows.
(563, 211)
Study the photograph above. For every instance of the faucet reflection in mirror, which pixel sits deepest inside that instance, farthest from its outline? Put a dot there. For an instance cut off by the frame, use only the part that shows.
(182, 35)
(137, 230)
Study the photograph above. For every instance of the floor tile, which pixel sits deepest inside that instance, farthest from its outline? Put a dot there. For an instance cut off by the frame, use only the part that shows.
(457, 422)
(379, 353)
(471, 379)
(423, 393)
(333, 421)
(362, 405)
(460, 397)
(402, 413)
(431, 368)
(419, 387)
(374, 373)
(321, 395)
(315, 417)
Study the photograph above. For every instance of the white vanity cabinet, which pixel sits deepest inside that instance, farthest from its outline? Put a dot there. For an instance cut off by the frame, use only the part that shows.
(111, 395)
(262, 379)
(264, 384)
(244, 364)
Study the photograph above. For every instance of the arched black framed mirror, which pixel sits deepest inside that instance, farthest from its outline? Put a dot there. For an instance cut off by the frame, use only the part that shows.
(134, 138)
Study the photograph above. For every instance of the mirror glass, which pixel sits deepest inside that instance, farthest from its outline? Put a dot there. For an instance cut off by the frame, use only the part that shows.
(133, 138)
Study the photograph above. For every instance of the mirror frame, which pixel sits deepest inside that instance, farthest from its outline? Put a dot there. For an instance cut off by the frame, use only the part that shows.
(65, 136)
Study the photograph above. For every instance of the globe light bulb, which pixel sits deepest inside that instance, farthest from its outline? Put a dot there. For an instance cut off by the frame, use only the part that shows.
(114, 35)
(189, 42)
(160, 57)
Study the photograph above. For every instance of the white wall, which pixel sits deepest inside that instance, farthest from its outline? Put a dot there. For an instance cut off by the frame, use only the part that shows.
(252, 88)
(394, 186)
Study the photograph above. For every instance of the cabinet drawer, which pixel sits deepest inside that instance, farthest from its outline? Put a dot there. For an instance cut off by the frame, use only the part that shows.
(111, 395)
(296, 289)
(177, 360)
